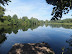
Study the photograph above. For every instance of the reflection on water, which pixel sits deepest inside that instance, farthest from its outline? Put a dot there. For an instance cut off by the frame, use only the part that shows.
(2, 36)
(14, 29)
(61, 25)
(38, 33)
(69, 49)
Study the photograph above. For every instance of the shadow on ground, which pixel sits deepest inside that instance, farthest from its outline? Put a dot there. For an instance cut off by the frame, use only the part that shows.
(31, 48)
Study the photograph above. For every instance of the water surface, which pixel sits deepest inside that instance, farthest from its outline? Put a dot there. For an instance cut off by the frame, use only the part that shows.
(57, 36)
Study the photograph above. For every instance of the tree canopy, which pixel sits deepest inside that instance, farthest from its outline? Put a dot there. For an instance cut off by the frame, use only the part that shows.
(60, 7)
(1, 11)
(3, 2)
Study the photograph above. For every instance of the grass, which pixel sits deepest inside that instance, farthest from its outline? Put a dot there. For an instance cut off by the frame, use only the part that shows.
(62, 23)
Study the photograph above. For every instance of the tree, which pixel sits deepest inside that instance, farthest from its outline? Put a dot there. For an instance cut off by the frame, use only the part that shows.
(34, 21)
(24, 18)
(4, 18)
(3, 2)
(15, 17)
(9, 18)
(60, 7)
(46, 21)
(1, 11)
(25, 21)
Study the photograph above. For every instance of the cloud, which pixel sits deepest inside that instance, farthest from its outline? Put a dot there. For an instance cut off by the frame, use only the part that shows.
(31, 8)
(37, 8)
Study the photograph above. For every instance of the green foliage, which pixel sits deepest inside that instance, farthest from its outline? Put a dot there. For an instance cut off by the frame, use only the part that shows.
(24, 18)
(34, 20)
(8, 20)
(3, 2)
(5, 17)
(60, 7)
(1, 11)
(61, 21)
(15, 17)
(46, 21)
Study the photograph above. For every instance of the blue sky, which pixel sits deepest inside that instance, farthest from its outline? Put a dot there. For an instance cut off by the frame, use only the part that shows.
(32, 8)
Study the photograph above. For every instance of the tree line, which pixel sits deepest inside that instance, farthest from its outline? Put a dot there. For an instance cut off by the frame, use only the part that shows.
(8, 20)
(68, 20)
(60, 7)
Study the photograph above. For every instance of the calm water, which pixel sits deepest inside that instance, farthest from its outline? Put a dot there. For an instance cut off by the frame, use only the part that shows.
(57, 36)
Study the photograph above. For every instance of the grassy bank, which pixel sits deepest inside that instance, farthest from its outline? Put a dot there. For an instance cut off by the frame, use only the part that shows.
(62, 23)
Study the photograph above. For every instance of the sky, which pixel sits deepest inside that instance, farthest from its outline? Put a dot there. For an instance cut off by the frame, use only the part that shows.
(31, 8)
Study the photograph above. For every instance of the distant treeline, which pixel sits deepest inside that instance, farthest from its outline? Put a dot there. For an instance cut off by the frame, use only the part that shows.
(69, 20)
(14, 20)
(8, 20)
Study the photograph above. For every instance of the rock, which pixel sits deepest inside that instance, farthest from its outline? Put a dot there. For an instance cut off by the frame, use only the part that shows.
(31, 48)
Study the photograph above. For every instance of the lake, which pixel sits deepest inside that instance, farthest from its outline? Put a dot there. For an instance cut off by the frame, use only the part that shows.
(58, 37)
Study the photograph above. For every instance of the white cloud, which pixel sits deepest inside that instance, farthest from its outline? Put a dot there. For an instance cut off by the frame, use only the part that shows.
(31, 8)
(38, 10)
